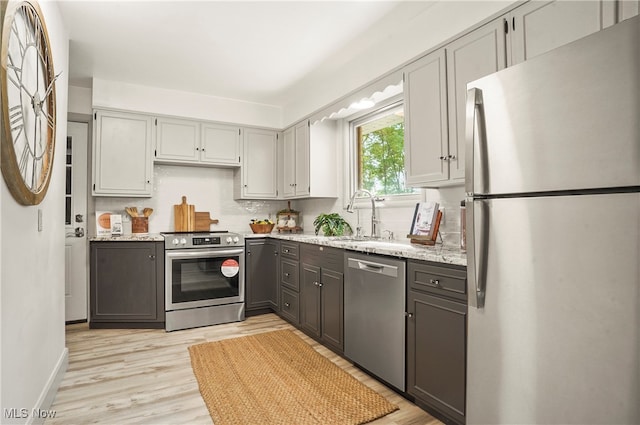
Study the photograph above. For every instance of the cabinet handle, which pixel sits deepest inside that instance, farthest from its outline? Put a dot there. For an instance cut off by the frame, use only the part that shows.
(435, 282)
(286, 250)
(202, 149)
(442, 158)
(287, 275)
(316, 283)
(275, 252)
(287, 305)
(197, 149)
(451, 157)
(319, 285)
(409, 315)
(152, 257)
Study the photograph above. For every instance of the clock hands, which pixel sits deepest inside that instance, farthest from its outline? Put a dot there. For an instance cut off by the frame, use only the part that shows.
(46, 94)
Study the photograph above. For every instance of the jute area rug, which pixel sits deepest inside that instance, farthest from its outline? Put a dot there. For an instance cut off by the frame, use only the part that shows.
(277, 378)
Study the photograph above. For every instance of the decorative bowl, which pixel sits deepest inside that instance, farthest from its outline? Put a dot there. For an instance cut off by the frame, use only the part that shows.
(261, 228)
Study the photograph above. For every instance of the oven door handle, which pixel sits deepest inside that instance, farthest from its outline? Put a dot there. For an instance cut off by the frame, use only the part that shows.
(195, 253)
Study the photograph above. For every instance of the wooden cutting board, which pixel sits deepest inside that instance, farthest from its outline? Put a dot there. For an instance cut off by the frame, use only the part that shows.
(203, 221)
(184, 216)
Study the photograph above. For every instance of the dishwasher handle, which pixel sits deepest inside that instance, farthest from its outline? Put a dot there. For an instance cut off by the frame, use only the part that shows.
(372, 267)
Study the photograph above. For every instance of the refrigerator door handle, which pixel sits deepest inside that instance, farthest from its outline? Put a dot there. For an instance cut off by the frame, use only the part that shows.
(476, 246)
(474, 105)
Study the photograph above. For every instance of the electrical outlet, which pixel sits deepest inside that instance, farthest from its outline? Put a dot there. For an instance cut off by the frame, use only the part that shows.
(39, 220)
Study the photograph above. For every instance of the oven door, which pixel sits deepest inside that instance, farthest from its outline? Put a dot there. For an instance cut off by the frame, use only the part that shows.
(203, 277)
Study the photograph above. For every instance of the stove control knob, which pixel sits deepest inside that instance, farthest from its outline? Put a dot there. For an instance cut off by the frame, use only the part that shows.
(228, 240)
(183, 241)
(236, 239)
(175, 241)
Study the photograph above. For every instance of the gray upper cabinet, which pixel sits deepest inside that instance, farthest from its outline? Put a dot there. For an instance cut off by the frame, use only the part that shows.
(308, 160)
(627, 9)
(257, 177)
(220, 145)
(177, 140)
(122, 162)
(473, 56)
(189, 142)
(537, 27)
(426, 140)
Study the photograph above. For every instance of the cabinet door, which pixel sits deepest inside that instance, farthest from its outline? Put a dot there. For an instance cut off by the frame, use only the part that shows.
(303, 141)
(310, 299)
(436, 353)
(220, 145)
(125, 285)
(537, 27)
(259, 164)
(122, 162)
(473, 56)
(332, 302)
(177, 140)
(261, 278)
(289, 163)
(627, 9)
(426, 142)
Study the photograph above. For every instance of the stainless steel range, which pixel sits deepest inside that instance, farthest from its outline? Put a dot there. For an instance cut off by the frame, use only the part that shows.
(204, 279)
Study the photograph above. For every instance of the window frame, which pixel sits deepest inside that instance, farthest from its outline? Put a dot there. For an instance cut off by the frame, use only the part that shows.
(352, 166)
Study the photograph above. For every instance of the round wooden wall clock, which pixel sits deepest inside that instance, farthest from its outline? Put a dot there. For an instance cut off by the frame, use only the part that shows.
(28, 98)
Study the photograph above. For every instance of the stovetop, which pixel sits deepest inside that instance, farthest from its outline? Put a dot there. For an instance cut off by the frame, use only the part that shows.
(189, 240)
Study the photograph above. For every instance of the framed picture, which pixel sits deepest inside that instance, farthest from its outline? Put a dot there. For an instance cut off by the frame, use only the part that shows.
(424, 219)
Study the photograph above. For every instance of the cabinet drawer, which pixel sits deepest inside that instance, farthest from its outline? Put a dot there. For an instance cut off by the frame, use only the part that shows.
(446, 281)
(289, 274)
(323, 256)
(290, 303)
(289, 250)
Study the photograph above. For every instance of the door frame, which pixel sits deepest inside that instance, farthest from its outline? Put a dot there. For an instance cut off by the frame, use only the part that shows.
(90, 218)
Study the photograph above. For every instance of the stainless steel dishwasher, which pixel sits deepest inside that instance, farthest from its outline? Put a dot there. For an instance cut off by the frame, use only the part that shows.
(374, 315)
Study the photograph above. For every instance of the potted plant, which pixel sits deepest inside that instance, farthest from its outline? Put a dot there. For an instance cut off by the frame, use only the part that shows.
(331, 225)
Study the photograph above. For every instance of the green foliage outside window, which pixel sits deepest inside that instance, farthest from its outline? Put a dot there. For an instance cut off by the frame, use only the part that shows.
(382, 160)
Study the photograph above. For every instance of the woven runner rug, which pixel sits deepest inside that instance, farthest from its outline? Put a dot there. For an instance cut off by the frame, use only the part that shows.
(277, 378)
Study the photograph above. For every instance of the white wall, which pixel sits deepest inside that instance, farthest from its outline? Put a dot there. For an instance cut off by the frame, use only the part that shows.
(32, 344)
(116, 95)
(80, 100)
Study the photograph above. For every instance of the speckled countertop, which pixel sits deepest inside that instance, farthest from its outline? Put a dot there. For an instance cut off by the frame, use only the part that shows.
(133, 237)
(438, 253)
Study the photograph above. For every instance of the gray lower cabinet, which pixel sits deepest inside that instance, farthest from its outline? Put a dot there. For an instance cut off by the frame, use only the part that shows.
(261, 275)
(322, 294)
(436, 339)
(290, 282)
(126, 285)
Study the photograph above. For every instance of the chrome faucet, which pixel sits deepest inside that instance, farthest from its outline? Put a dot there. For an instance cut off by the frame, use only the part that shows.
(374, 219)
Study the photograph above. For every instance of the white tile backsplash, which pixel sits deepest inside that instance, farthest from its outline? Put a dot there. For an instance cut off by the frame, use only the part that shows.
(209, 189)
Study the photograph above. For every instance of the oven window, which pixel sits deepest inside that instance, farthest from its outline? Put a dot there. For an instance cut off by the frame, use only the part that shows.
(197, 279)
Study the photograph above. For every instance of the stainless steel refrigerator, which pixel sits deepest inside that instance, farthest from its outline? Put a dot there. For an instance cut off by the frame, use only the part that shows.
(553, 234)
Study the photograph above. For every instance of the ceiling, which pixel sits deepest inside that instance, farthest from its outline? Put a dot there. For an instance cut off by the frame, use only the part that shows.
(257, 51)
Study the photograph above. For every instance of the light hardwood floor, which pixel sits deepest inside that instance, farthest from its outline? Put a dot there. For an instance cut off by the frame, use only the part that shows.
(144, 376)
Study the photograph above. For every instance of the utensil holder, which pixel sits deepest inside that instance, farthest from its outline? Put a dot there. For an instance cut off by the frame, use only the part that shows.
(139, 224)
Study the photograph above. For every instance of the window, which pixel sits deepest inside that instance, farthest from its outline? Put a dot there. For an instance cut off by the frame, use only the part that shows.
(379, 152)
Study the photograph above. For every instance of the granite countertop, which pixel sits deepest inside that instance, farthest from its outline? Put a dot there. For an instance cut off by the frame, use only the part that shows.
(133, 237)
(439, 253)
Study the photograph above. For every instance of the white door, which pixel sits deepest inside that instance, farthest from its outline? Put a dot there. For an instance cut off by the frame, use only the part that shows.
(76, 253)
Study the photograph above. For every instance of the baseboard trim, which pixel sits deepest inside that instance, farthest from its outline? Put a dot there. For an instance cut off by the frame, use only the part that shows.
(50, 390)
